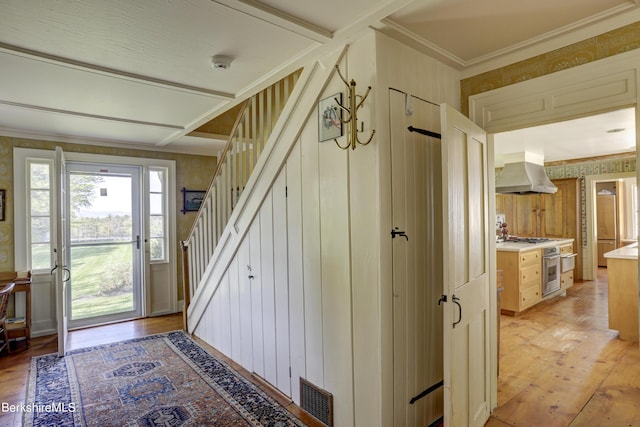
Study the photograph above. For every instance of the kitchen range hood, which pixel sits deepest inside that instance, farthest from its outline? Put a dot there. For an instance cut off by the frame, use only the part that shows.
(524, 173)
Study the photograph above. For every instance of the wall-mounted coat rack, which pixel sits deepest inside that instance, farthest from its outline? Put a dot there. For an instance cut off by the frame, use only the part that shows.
(351, 113)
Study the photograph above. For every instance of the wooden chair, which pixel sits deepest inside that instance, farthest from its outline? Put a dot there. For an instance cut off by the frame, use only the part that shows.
(5, 292)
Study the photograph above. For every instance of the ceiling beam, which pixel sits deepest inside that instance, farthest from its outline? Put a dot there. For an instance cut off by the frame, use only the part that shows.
(279, 18)
(53, 59)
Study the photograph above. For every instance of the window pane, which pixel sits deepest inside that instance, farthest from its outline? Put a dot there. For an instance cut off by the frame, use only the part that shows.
(40, 202)
(40, 230)
(157, 248)
(39, 175)
(156, 204)
(156, 180)
(156, 226)
(40, 256)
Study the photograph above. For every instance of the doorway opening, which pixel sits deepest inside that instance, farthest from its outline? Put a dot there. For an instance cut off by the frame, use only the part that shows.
(104, 239)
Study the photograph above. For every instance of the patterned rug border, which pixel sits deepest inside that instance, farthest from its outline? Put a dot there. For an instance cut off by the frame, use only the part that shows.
(236, 390)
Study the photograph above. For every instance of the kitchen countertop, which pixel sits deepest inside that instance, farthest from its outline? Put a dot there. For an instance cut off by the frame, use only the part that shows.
(521, 247)
(626, 252)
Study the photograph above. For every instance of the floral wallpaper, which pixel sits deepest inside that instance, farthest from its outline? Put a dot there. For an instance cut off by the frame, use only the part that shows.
(192, 172)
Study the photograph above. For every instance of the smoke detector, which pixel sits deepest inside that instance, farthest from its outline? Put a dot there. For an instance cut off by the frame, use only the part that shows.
(220, 62)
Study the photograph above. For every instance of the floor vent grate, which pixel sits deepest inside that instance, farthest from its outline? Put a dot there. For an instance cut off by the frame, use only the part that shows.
(316, 402)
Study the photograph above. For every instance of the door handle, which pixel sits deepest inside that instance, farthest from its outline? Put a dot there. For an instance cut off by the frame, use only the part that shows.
(138, 242)
(455, 300)
(396, 232)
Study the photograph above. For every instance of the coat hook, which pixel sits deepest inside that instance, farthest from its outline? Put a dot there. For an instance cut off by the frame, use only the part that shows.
(351, 114)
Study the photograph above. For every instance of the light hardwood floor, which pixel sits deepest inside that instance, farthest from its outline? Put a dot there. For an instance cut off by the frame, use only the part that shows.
(14, 368)
(561, 366)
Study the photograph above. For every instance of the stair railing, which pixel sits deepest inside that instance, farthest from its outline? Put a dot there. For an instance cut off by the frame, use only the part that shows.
(245, 144)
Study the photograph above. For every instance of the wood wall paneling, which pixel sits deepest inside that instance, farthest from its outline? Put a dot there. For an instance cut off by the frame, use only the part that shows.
(281, 283)
(336, 276)
(311, 262)
(268, 291)
(225, 316)
(295, 264)
(256, 297)
(244, 301)
(234, 311)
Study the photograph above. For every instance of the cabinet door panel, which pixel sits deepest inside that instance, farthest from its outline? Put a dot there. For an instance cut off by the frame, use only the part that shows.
(527, 208)
(553, 214)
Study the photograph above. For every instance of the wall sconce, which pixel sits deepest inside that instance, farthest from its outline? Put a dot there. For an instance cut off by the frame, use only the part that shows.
(351, 114)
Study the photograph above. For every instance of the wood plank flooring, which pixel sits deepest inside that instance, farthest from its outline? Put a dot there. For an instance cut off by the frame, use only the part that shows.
(561, 366)
(14, 368)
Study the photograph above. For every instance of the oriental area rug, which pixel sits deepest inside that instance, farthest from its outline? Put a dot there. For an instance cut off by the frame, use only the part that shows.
(158, 380)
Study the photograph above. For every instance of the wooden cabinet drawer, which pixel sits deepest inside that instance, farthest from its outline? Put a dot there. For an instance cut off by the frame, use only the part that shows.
(566, 249)
(529, 297)
(566, 280)
(529, 258)
(530, 276)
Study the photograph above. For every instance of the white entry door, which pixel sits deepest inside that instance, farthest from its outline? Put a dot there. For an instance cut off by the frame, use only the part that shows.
(61, 272)
(465, 270)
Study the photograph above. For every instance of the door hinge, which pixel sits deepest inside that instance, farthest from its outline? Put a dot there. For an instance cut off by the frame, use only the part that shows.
(289, 371)
(286, 191)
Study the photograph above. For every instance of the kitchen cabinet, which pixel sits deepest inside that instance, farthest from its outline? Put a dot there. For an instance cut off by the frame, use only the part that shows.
(622, 268)
(566, 276)
(522, 279)
(546, 215)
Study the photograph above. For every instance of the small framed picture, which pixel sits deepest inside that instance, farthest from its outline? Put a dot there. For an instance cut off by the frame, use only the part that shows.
(191, 200)
(3, 195)
(330, 117)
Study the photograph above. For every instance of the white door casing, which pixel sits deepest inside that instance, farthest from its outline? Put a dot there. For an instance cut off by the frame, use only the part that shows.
(160, 285)
(61, 271)
(466, 271)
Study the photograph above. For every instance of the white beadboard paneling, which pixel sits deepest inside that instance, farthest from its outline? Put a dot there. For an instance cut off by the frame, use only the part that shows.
(296, 283)
(402, 68)
(364, 218)
(256, 297)
(281, 282)
(336, 278)
(268, 291)
(311, 244)
(246, 310)
(225, 316)
(234, 308)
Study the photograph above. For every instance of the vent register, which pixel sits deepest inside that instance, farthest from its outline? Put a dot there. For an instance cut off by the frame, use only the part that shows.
(316, 402)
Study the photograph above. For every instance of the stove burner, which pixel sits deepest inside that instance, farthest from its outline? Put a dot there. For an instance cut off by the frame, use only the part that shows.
(530, 240)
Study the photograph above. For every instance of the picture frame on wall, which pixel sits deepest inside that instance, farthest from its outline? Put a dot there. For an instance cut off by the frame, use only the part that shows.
(330, 117)
(192, 200)
(3, 202)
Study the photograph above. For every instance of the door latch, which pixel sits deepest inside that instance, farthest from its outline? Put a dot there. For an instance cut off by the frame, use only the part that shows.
(396, 232)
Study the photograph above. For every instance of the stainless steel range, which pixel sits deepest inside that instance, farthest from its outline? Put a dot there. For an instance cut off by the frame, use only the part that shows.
(550, 270)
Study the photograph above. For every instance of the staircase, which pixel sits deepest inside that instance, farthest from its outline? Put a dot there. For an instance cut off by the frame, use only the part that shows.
(247, 142)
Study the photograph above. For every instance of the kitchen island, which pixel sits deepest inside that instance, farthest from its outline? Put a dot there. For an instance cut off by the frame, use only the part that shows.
(622, 269)
(522, 266)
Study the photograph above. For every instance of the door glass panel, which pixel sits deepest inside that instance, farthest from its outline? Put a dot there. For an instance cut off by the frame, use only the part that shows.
(103, 245)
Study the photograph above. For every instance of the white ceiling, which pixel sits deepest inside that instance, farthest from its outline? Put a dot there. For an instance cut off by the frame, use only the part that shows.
(137, 73)
(609, 133)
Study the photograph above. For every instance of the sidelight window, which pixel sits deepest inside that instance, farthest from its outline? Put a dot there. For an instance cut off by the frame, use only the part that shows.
(40, 201)
(158, 214)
